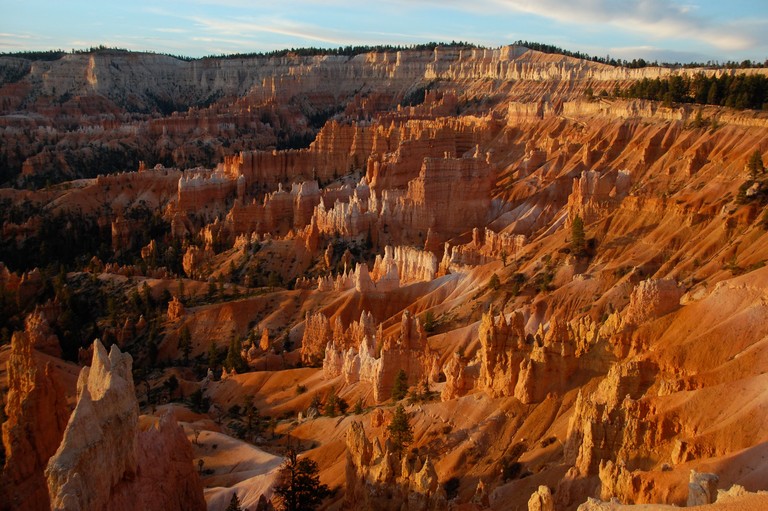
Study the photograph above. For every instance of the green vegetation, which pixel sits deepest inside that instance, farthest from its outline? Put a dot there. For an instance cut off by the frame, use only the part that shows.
(400, 431)
(755, 165)
(185, 343)
(429, 321)
(334, 405)
(736, 91)
(578, 238)
(299, 487)
(400, 388)
(422, 393)
(451, 488)
(234, 358)
(234, 504)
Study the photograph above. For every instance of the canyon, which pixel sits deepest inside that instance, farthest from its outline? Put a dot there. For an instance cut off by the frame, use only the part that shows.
(565, 290)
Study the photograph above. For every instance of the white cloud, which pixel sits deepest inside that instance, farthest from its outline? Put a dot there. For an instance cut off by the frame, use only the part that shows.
(659, 19)
(171, 30)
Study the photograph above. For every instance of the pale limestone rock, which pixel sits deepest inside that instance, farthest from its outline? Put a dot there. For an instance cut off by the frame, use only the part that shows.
(105, 461)
(457, 382)
(541, 500)
(317, 335)
(40, 333)
(108, 453)
(353, 354)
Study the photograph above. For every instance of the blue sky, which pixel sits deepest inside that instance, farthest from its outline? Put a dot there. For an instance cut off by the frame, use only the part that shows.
(669, 30)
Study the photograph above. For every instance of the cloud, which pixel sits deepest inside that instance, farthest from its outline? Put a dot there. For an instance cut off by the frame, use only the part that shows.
(246, 29)
(171, 30)
(652, 53)
(660, 19)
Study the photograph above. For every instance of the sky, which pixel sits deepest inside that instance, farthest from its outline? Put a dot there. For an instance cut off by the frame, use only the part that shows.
(664, 30)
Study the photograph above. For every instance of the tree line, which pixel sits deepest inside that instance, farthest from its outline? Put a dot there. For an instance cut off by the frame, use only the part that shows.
(352, 50)
(735, 91)
(638, 63)
(311, 51)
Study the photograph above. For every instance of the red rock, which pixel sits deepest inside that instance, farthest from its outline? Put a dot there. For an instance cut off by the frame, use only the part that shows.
(37, 413)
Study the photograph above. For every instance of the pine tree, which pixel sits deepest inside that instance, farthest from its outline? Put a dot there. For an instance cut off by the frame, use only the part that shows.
(359, 407)
(578, 240)
(400, 388)
(234, 358)
(331, 404)
(185, 342)
(755, 165)
(299, 487)
(213, 356)
(234, 504)
(252, 417)
(400, 432)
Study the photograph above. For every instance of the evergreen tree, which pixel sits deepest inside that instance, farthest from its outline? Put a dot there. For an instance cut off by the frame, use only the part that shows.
(213, 356)
(331, 404)
(299, 487)
(234, 504)
(400, 431)
(185, 342)
(755, 165)
(578, 239)
(400, 388)
(429, 321)
(252, 417)
(234, 358)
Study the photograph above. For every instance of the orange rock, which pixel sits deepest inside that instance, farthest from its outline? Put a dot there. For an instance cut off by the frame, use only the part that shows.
(105, 462)
(37, 415)
(176, 309)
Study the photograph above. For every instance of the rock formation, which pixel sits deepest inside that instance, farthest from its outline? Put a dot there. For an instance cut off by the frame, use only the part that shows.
(541, 500)
(317, 334)
(502, 344)
(437, 169)
(702, 489)
(105, 462)
(457, 381)
(651, 299)
(37, 414)
(596, 194)
(372, 472)
(176, 309)
(607, 428)
(359, 355)
(40, 333)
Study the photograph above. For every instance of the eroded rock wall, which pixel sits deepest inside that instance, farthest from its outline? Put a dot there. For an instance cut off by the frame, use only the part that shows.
(104, 462)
